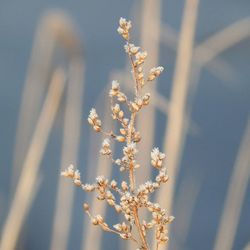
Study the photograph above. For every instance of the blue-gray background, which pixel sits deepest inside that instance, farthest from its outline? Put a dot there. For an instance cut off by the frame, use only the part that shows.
(219, 110)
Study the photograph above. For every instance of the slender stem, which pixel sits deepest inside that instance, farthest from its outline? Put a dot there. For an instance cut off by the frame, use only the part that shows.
(132, 178)
(131, 166)
(157, 246)
(133, 71)
(157, 243)
(134, 74)
(138, 225)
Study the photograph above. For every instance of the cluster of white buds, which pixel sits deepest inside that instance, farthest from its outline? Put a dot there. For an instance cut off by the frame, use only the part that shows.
(146, 226)
(136, 136)
(137, 58)
(97, 220)
(124, 229)
(124, 27)
(128, 201)
(94, 120)
(145, 99)
(161, 229)
(106, 150)
(157, 158)
(70, 172)
(117, 113)
(88, 187)
(162, 177)
(130, 150)
(155, 72)
(124, 186)
(126, 198)
(115, 92)
(136, 105)
(140, 57)
(130, 48)
(139, 102)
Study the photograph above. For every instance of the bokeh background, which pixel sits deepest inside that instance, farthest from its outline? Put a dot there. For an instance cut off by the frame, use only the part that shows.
(64, 54)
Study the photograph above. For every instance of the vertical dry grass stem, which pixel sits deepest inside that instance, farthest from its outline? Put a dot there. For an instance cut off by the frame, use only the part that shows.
(70, 148)
(28, 179)
(128, 198)
(185, 203)
(174, 136)
(55, 30)
(32, 95)
(247, 247)
(235, 196)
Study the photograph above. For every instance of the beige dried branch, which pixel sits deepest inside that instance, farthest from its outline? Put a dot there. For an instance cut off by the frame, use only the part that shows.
(235, 196)
(25, 187)
(70, 148)
(54, 30)
(247, 247)
(176, 128)
(133, 198)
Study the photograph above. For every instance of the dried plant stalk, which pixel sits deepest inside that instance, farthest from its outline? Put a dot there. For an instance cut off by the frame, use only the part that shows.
(127, 198)
(176, 116)
(235, 195)
(28, 180)
(70, 148)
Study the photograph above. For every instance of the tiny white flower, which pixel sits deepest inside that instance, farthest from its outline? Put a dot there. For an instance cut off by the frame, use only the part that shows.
(115, 85)
(155, 72)
(92, 114)
(130, 150)
(157, 158)
(77, 175)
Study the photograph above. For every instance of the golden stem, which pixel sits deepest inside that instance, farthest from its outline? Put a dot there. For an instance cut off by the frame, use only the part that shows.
(157, 246)
(131, 166)
(138, 225)
(135, 76)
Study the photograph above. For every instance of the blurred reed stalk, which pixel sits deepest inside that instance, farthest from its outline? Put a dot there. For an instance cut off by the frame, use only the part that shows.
(32, 95)
(235, 195)
(55, 31)
(247, 247)
(173, 142)
(63, 31)
(27, 182)
(70, 150)
(206, 55)
(189, 190)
